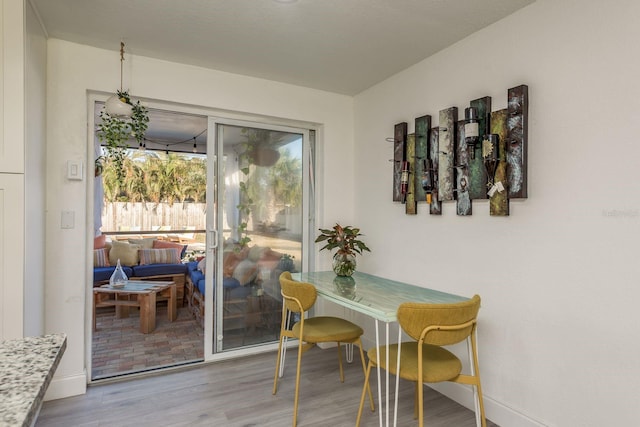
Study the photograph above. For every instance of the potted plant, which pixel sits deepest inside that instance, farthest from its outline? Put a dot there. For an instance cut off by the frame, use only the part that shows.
(348, 244)
(115, 130)
(99, 165)
(286, 263)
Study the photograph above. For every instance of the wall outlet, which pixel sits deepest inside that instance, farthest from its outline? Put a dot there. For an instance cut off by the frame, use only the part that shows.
(68, 219)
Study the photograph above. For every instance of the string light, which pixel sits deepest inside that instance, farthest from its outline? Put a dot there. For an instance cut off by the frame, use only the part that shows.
(169, 144)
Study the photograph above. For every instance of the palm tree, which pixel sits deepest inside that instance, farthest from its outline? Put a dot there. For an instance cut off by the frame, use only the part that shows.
(286, 180)
(152, 179)
(155, 177)
(194, 185)
(111, 182)
(134, 187)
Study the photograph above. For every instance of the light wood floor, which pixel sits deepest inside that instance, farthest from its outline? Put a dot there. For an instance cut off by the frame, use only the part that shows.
(238, 393)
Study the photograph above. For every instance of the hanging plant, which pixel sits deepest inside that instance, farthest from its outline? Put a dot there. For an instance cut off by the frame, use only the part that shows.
(139, 121)
(121, 120)
(115, 131)
(261, 146)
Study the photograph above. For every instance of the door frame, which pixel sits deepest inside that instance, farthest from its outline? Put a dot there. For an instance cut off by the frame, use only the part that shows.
(92, 97)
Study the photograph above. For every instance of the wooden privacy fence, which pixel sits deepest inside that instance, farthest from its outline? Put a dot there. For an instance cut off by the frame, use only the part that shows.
(124, 216)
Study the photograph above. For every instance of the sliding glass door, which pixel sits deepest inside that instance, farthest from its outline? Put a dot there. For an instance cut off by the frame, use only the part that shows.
(234, 201)
(258, 227)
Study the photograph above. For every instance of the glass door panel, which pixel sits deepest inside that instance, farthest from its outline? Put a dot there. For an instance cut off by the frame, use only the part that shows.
(261, 228)
(154, 199)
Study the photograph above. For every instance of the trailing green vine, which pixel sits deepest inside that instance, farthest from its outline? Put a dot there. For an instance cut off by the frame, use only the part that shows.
(115, 131)
(244, 209)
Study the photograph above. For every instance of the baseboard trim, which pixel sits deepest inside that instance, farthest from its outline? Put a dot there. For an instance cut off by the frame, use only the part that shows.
(495, 411)
(61, 387)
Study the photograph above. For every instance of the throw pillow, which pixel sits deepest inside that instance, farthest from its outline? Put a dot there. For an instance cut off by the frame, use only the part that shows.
(125, 252)
(255, 253)
(99, 242)
(230, 262)
(271, 255)
(101, 258)
(161, 244)
(245, 272)
(144, 243)
(159, 256)
(202, 265)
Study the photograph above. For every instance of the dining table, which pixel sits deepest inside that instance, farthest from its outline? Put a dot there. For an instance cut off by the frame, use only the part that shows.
(378, 298)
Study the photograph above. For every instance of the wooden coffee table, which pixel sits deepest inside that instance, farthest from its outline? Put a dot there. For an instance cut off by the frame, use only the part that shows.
(142, 294)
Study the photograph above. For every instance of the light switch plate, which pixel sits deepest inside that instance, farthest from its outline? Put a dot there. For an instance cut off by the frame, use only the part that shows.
(74, 170)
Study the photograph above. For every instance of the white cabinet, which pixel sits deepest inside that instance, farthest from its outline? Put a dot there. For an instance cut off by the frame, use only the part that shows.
(12, 86)
(12, 168)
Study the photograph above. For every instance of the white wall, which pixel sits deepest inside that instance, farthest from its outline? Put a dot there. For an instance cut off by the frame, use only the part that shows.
(559, 277)
(75, 69)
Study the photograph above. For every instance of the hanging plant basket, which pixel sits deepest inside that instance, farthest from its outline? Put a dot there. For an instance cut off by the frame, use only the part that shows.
(117, 106)
(264, 156)
(116, 130)
(121, 120)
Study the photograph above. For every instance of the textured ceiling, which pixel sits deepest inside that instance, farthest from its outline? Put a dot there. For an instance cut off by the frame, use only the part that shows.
(342, 46)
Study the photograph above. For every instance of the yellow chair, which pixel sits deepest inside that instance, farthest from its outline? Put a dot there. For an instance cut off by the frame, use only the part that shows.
(299, 297)
(425, 360)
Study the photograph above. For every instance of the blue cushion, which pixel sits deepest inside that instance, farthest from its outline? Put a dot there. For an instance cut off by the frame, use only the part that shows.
(158, 269)
(101, 274)
(200, 284)
(192, 266)
(240, 292)
(230, 283)
(227, 283)
(196, 276)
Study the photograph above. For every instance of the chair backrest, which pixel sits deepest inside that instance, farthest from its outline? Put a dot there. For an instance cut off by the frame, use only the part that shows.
(416, 317)
(304, 292)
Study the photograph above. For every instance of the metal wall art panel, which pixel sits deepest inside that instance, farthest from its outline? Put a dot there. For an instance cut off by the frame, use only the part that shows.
(446, 140)
(399, 156)
(517, 128)
(497, 165)
(435, 207)
(477, 173)
(422, 178)
(411, 205)
(463, 196)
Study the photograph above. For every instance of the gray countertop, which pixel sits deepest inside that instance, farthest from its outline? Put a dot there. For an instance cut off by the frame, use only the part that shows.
(26, 368)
